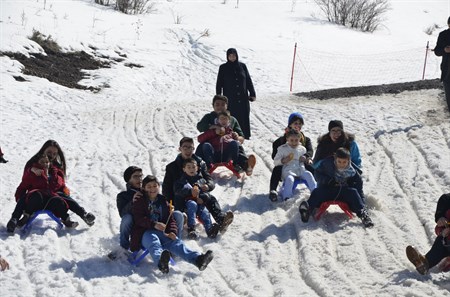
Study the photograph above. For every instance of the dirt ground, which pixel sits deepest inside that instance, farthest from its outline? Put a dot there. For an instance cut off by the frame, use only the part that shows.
(67, 69)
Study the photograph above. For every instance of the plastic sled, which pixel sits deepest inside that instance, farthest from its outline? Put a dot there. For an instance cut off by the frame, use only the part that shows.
(323, 207)
(297, 181)
(228, 165)
(136, 257)
(28, 225)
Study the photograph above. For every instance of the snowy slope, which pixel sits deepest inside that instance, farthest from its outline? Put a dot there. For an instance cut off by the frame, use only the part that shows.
(139, 119)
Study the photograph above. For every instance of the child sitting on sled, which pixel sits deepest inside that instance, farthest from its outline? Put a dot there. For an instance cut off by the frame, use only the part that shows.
(292, 155)
(441, 245)
(337, 180)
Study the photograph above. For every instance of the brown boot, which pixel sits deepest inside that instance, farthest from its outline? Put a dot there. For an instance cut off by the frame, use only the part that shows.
(417, 259)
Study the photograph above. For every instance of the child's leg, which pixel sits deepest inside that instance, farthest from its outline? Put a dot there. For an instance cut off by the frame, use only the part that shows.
(287, 188)
(178, 248)
(310, 181)
(233, 151)
(34, 203)
(179, 219)
(191, 211)
(437, 252)
(320, 195)
(352, 198)
(126, 224)
(20, 207)
(208, 153)
(275, 177)
(151, 241)
(205, 216)
(57, 205)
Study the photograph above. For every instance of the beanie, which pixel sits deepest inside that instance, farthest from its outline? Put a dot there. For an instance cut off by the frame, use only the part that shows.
(129, 172)
(295, 116)
(335, 123)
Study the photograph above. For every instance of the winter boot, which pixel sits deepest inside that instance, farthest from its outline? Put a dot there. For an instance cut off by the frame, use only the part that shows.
(250, 165)
(88, 218)
(212, 232)
(2, 160)
(163, 263)
(11, 226)
(366, 220)
(304, 211)
(23, 220)
(417, 259)
(227, 220)
(192, 234)
(273, 196)
(203, 260)
(69, 223)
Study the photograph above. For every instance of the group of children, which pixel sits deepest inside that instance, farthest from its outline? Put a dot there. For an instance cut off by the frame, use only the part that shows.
(154, 221)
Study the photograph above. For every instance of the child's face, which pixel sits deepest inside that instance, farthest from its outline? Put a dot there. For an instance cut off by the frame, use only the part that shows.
(151, 189)
(293, 141)
(223, 121)
(136, 180)
(296, 125)
(341, 163)
(335, 133)
(190, 169)
(187, 150)
(219, 106)
(44, 162)
(51, 152)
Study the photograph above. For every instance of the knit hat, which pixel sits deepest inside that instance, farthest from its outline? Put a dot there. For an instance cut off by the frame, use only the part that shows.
(335, 123)
(295, 116)
(129, 172)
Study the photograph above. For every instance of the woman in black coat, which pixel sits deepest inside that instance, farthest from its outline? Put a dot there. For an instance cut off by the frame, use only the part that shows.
(234, 82)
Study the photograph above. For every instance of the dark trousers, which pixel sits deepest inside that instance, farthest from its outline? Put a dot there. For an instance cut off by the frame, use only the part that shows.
(344, 194)
(214, 208)
(437, 252)
(241, 160)
(230, 152)
(447, 93)
(38, 201)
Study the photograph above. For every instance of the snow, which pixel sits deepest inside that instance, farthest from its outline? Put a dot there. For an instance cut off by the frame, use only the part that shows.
(267, 251)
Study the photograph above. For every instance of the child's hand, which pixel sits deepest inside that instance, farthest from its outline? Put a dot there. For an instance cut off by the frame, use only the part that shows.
(204, 187)
(445, 232)
(442, 222)
(235, 135)
(195, 191)
(160, 226)
(37, 171)
(287, 158)
(137, 196)
(302, 159)
(171, 235)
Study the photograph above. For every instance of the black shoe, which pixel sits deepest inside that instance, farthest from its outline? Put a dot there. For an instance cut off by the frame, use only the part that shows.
(192, 234)
(11, 226)
(304, 211)
(366, 220)
(69, 224)
(88, 218)
(227, 220)
(23, 220)
(273, 196)
(238, 168)
(213, 231)
(2, 160)
(163, 263)
(203, 260)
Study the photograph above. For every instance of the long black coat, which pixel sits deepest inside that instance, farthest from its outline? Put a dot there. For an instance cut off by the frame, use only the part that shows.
(442, 42)
(234, 82)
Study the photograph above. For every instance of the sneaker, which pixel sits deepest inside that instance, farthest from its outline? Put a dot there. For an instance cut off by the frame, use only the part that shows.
(227, 220)
(88, 218)
(213, 231)
(304, 211)
(11, 226)
(417, 259)
(192, 234)
(273, 196)
(250, 165)
(23, 220)
(69, 224)
(163, 263)
(2, 160)
(366, 220)
(203, 260)
(238, 168)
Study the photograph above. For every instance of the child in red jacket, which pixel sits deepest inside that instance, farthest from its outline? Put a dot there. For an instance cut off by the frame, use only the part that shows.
(41, 192)
(441, 245)
(221, 144)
